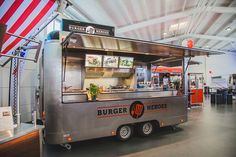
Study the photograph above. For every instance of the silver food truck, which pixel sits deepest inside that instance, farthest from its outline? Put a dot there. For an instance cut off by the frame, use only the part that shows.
(129, 100)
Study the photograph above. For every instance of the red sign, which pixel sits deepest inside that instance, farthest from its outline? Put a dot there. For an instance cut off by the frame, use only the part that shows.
(167, 70)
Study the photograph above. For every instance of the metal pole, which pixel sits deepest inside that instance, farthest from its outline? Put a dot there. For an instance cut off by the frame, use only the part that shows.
(185, 75)
(18, 36)
(12, 56)
(18, 92)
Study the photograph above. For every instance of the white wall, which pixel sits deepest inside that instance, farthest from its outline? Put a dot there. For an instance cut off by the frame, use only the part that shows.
(28, 84)
(4, 84)
(219, 65)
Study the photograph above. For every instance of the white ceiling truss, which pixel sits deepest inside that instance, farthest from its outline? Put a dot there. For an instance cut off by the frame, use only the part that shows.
(210, 23)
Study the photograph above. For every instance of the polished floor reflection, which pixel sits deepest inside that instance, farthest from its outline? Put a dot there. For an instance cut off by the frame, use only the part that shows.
(209, 132)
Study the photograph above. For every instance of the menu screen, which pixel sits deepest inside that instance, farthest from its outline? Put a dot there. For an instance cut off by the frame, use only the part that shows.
(93, 60)
(110, 61)
(126, 62)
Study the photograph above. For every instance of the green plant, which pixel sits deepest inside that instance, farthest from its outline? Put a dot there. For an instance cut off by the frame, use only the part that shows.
(177, 84)
(93, 90)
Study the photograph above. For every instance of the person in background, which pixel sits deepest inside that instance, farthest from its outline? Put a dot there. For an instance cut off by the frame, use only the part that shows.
(165, 83)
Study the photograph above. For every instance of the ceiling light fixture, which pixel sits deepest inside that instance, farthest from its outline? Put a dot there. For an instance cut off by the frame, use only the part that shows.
(228, 28)
(178, 26)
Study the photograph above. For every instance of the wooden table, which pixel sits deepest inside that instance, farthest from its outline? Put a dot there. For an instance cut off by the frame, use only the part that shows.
(24, 141)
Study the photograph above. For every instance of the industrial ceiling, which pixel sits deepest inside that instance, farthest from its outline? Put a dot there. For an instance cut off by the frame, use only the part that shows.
(210, 23)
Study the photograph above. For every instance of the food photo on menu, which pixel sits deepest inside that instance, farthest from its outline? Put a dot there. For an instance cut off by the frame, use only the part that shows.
(126, 62)
(93, 60)
(110, 61)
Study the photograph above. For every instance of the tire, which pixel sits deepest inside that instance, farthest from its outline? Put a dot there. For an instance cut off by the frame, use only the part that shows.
(124, 132)
(145, 129)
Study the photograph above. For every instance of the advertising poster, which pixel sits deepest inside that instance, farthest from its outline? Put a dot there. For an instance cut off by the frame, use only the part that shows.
(93, 60)
(110, 61)
(126, 62)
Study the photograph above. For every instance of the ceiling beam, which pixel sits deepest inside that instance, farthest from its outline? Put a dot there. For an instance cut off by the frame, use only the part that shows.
(201, 36)
(166, 40)
(230, 10)
(173, 17)
(212, 37)
(153, 21)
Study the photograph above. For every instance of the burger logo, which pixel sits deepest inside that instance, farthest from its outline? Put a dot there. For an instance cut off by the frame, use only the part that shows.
(136, 109)
(90, 30)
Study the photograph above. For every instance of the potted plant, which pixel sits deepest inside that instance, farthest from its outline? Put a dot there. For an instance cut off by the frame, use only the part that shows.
(93, 91)
(177, 84)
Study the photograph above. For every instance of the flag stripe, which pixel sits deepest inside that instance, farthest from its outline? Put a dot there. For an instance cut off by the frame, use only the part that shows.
(1, 2)
(10, 11)
(30, 26)
(26, 22)
(5, 6)
(22, 18)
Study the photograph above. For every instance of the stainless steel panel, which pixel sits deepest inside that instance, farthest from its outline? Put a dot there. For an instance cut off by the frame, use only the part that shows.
(73, 75)
(81, 121)
(116, 44)
(73, 97)
(52, 76)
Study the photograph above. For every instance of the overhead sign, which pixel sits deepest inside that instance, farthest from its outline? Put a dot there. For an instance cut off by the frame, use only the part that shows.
(89, 28)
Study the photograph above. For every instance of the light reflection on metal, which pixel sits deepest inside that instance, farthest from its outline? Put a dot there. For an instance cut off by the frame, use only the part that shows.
(117, 44)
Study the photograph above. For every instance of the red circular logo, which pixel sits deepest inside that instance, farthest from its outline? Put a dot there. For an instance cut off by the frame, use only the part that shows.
(136, 109)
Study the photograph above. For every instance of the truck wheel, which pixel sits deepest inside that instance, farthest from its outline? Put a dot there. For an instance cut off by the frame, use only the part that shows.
(124, 132)
(145, 129)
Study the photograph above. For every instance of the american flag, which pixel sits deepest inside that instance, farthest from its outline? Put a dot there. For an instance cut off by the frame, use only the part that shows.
(22, 18)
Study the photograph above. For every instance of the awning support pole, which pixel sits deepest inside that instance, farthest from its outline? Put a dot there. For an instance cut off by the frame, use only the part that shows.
(185, 75)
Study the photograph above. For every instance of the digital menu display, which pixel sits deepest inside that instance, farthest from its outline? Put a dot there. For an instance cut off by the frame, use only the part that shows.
(110, 61)
(93, 60)
(126, 62)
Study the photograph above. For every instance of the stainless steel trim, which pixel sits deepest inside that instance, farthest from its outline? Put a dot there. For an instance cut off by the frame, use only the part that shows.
(117, 44)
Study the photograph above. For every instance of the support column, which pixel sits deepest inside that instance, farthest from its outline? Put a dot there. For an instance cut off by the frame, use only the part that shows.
(18, 93)
(185, 63)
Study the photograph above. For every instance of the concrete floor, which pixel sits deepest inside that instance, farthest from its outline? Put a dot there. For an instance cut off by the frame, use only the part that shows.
(209, 132)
